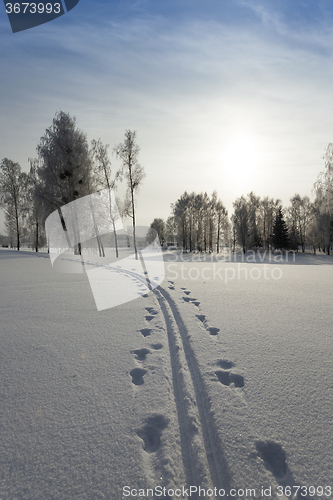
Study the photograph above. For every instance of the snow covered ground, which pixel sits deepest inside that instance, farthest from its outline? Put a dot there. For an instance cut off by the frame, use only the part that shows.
(220, 378)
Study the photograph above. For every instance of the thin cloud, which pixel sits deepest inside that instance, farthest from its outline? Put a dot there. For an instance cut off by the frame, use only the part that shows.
(184, 86)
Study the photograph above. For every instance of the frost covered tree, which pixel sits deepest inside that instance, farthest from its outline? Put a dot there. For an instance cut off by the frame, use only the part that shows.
(64, 166)
(200, 222)
(255, 223)
(170, 231)
(13, 184)
(240, 220)
(314, 238)
(253, 220)
(183, 216)
(222, 224)
(269, 208)
(128, 152)
(324, 200)
(301, 212)
(103, 179)
(159, 226)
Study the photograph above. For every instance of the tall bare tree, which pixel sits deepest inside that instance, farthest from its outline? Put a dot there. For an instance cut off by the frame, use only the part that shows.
(301, 212)
(103, 179)
(12, 196)
(241, 222)
(324, 200)
(128, 152)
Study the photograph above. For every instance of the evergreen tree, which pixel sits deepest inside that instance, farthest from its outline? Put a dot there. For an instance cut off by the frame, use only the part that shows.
(280, 232)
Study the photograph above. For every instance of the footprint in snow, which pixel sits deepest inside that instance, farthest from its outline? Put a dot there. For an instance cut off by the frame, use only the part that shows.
(141, 354)
(151, 310)
(274, 457)
(151, 432)
(137, 375)
(187, 293)
(156, 346)
(227, 378)
(149, 318)
(225, 363)
(189, 299)
(145, 331)
(212, 330)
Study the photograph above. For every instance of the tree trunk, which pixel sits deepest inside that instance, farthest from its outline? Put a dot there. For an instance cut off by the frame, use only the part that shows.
(63, 223)
(134, 240)
(37, 237)
(17, 227)
(113, 221)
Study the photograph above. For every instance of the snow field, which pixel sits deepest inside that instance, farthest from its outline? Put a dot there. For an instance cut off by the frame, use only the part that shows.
(198, 383)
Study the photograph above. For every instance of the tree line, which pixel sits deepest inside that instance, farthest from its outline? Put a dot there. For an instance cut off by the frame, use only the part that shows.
(66, 169)
(200, 222)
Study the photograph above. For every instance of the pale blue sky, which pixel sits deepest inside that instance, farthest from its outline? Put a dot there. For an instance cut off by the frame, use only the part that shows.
(227, 95)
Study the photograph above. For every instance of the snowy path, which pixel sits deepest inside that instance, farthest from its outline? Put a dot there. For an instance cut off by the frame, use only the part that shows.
(202, 457)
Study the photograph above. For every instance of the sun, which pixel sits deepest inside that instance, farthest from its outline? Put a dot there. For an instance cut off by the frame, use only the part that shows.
(241, 159)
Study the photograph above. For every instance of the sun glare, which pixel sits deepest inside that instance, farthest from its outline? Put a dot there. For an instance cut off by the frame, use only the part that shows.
(241, 160)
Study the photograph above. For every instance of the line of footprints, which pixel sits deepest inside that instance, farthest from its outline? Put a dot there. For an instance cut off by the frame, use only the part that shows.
(272, 453)
(151, 430)
(137, 374)
(212, 330)
(225, 376)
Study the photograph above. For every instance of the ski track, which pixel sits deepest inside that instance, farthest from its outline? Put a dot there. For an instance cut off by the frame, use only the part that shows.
(203, 456)
(202, 451)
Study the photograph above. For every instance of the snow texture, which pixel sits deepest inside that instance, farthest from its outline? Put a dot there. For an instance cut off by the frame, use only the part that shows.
(199, 382)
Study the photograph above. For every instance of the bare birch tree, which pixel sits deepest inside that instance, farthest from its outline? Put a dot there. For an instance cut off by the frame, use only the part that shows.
(133, 172)
(12, 197)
